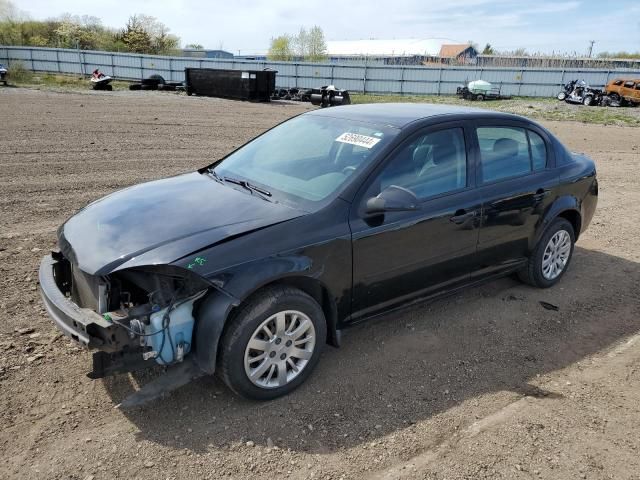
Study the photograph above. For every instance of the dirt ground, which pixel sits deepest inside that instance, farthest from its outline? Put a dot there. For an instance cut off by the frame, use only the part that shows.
(485, 384)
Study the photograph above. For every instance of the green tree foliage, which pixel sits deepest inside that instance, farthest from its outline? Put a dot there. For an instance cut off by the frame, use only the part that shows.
(300, 43)
(281, 48)
(317, 46)
(194, 46)
(488, 50)
(308, 45)
(145, 34)
(142, 34)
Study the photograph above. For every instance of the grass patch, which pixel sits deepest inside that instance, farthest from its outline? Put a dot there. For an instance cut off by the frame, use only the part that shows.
(18, 74)
(597, 115)
(448, 99)
(537, 108)
(59, 81)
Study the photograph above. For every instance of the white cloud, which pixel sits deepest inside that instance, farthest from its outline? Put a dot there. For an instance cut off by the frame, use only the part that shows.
(247, 25)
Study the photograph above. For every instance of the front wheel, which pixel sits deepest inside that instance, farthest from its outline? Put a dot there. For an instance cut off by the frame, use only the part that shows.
(588, 100)
(561, 96)
(551, 257)
(272, 344)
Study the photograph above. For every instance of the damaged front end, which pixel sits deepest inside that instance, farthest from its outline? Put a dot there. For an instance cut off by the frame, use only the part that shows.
(135, 318)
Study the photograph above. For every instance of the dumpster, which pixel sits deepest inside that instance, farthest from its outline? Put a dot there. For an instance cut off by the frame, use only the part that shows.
(255, 85)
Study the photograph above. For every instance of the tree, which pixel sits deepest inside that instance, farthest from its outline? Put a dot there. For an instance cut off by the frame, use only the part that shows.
(82, 32)
(145, 34)
(488, 50)
(135, 37)
(300, 43)
(317, 47)
(8, 11)
(280, 48)
(194, 46)
(142, 34)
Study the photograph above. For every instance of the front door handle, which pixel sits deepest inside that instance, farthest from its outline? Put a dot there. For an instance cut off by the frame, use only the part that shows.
(462, 216)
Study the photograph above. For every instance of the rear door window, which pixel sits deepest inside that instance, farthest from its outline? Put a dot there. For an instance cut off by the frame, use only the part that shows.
(538, 151)
(507, 152)
(629, 84)
(504, 152)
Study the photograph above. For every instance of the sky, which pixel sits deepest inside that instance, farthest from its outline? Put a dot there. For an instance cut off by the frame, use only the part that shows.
(246, 26)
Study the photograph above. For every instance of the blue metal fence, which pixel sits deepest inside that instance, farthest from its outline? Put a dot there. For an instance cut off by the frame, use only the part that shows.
(404, 80)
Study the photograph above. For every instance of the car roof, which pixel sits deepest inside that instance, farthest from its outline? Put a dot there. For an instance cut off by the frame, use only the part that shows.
(401, 114)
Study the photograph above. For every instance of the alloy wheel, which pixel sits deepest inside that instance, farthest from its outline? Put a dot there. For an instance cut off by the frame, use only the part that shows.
(556, 255)
(279, 349)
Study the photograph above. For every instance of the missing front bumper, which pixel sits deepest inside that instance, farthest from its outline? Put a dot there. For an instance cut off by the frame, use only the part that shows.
(79, 324)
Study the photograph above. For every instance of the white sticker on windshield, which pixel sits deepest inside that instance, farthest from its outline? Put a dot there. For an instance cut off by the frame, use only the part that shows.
(357, 139)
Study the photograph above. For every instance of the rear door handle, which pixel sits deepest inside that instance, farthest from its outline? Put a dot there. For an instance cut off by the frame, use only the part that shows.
(462, 216)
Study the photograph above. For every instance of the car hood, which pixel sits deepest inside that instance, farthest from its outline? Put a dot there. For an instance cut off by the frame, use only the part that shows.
(162, 221)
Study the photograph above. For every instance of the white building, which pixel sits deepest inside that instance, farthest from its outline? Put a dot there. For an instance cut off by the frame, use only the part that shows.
(387, 48)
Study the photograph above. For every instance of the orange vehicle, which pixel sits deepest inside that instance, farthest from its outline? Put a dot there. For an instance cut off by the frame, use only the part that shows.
(624, 90)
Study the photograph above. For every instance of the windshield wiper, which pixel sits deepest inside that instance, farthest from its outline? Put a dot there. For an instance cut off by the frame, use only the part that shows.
(215, 176)
(243, 183)
(249, 186)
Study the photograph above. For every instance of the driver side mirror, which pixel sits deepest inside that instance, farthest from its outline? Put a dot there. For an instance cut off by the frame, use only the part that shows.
(392, 199)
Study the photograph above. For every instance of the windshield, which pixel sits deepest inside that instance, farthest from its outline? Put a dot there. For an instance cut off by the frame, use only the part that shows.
(306, 159)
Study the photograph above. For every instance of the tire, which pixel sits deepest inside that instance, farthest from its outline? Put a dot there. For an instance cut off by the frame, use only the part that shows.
(614, 97)
(588, 100)
(480, 97)
(237, 360)
(153, 80)
(533, 273)
(561, 96)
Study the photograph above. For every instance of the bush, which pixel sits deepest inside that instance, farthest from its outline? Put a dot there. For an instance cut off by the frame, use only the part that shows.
(18, 73)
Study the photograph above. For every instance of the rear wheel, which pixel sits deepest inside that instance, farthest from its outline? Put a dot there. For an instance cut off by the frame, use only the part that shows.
(588, 100)
(551, 257)
(272, 344)
(561, 96)
(480, 97)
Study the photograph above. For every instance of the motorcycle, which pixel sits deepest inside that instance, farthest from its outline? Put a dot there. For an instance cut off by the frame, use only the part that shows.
(100, 81)
(577, 91)
(566, 90)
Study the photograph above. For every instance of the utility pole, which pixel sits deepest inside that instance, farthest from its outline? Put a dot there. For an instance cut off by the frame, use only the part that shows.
(591, 42)
(80, 65)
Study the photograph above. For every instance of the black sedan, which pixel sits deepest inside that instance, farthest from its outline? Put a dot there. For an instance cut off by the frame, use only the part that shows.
(249, 266)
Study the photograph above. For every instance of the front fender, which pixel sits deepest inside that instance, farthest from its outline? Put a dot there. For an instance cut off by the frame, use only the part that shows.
(211, 314)
(560, 205)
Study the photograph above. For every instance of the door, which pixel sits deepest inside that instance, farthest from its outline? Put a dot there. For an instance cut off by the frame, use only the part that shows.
(400, 255)
(516, 184)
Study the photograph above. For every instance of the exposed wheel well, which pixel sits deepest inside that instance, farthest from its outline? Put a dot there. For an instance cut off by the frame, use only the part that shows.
(574, 218)
(319, 293)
